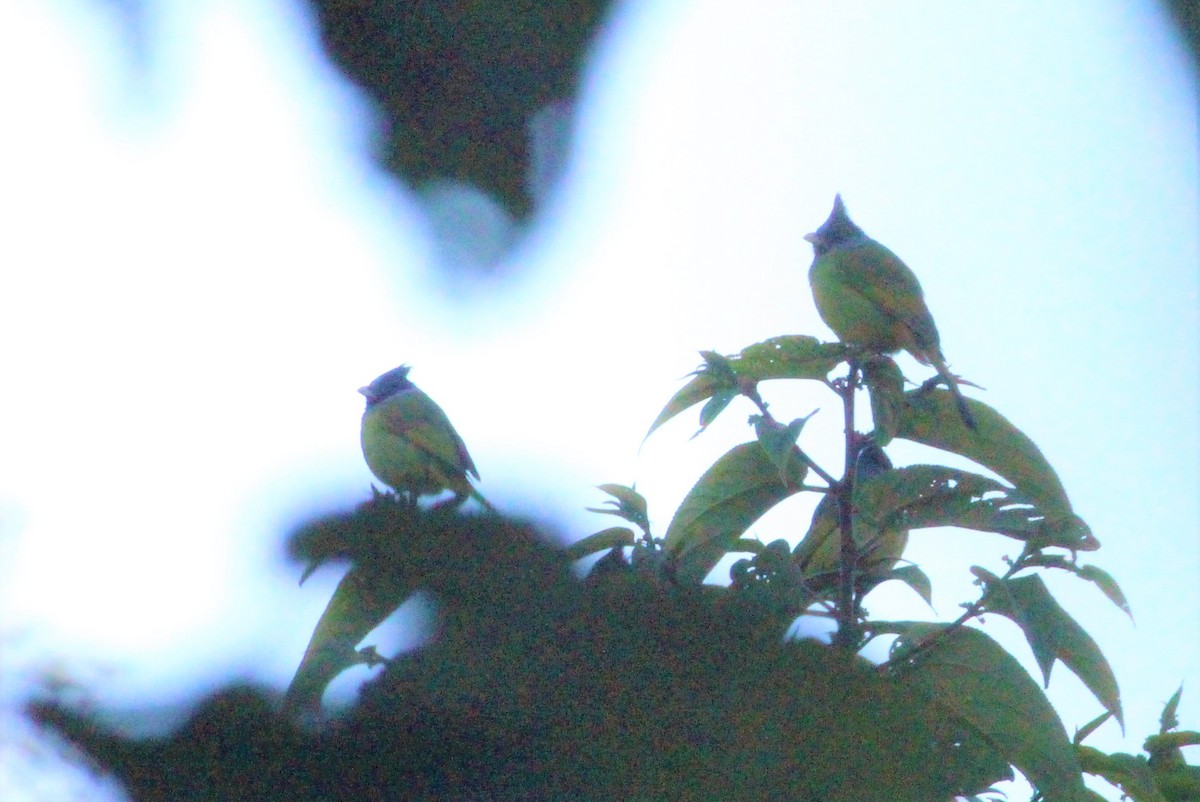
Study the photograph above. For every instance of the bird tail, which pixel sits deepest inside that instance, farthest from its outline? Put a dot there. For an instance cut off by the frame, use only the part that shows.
(960, 402)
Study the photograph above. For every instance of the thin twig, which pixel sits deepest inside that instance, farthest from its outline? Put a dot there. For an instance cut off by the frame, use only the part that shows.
(848, 630)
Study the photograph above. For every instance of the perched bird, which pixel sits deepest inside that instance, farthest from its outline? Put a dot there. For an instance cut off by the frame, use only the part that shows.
(879, 550)
(410, 444)
(869, 297)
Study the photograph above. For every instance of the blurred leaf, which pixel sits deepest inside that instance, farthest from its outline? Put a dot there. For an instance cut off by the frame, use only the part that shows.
(458, 83)
(1130, 773)
(614, 537)
(975, 680)
(886, 385)
(629, 504)
(1169, 719)
(731, 495)
(1090, 727)
(1052, 634)
(826, 727)
(363, 599)
(930, 417)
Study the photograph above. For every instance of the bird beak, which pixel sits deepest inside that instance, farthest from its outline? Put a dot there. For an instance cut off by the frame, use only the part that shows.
(365, 391)
(811, 238)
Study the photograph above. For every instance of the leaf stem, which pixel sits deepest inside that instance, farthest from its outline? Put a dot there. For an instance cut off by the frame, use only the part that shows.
(907, 659)
(752, 393)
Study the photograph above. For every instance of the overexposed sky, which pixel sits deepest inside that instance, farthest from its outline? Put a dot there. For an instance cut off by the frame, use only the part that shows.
(200, 265)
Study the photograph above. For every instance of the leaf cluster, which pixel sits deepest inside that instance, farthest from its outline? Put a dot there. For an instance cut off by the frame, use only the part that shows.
(859, 531)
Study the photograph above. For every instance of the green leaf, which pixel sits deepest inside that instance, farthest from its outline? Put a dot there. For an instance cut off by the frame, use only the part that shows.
(715, 406)
(916, 579)
(700, 388)
(1090, 727)
(629, 504)
(614, 537)
(792, 356)
(731, 495)
(779, 442)
(1052, 634)
(930, 417)
(788, 357)
(1130, 773)
(367, 594)
(1169, 719)
(748, 544)
(886, 385)
(921, 496)
(1099, 577)
(1108, 586)
(976, 681)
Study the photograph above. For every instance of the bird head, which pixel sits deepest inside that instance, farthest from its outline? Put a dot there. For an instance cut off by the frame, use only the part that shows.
(387, 385)
(838, 229)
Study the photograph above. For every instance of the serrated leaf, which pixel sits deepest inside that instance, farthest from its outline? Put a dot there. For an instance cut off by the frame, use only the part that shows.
(975, 680)
(612, 538)
(885, 383)
(731, 495)
(1052, 634)
(930, 416)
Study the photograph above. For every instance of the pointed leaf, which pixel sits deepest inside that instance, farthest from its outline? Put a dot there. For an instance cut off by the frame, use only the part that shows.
(700, 388)
(1169, 719)
(916, 579)
(629, 504)
(716, 405)
(1052, 634)
(1108, 586)
(999, 446)
(975, 680)
(614, 537)
(1090, 727)
(1099, 577)
(731, 495)
(363, 599)
(779, 441)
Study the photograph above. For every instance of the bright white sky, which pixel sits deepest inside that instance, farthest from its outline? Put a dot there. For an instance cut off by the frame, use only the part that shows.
(201, 265)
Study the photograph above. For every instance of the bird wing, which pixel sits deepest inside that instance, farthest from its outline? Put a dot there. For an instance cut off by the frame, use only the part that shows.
(415, 417)
(892, 288)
